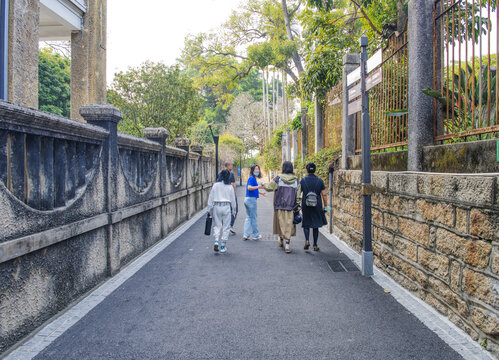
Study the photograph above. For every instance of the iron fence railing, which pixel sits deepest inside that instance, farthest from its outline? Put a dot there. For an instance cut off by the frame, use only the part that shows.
(388, 98)
(465, 69)
(333, 117)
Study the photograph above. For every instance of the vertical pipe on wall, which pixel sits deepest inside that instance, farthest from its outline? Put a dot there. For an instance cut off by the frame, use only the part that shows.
(4, 47)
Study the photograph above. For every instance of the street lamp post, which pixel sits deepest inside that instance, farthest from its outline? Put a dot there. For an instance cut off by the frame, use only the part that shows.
(215, 140)
(241, 168)
(367, 250)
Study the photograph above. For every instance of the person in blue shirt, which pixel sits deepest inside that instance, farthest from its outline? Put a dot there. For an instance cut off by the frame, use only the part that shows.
(252, 194)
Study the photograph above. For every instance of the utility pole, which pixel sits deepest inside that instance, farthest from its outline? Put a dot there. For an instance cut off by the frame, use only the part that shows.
(367, 249)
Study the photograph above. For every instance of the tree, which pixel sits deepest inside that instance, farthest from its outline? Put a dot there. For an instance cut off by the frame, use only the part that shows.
(54, 76)
(230, 147)
(246, 121)
(155, 95)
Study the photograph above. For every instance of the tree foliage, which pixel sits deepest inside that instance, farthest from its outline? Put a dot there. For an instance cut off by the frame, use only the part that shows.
(259, 34)
(155, 95)
(54, 76)
(246, 121)
(230, 147)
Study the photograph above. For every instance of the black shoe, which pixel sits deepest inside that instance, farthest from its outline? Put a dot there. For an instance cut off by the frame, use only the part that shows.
(215, 247)
(307, 245)
(316, 248)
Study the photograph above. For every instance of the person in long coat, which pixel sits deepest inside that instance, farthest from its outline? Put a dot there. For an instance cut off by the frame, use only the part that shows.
(312, 187)
(287, 189)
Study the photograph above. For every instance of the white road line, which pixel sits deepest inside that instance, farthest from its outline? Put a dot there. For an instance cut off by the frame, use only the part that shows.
(51, 331)
(456, 338)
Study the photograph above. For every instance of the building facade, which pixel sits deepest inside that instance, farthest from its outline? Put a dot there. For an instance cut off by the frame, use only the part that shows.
(26, 22)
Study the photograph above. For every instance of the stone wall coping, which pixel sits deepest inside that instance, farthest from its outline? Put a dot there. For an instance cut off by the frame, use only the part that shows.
(136, 143)
(31, 121)
(424, 173)
(194, 156)
(173, 151)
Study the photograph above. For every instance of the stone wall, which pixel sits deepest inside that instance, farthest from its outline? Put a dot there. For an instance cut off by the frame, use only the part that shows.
(78, 202)
(437, 235)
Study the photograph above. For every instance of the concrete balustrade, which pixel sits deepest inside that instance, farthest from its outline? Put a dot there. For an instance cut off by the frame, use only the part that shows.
(79, 201)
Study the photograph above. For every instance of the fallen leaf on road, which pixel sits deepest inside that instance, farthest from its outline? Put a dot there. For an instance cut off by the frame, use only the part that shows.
(387, 291)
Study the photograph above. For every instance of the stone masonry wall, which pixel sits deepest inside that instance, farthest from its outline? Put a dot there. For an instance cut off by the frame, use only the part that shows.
(437, 235)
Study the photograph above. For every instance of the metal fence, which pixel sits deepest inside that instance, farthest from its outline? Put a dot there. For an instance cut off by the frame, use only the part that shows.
(388, 95)
(333, 117)
(465, 69)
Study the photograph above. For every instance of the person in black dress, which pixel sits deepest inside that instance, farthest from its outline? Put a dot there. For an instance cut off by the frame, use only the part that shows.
(313, 192)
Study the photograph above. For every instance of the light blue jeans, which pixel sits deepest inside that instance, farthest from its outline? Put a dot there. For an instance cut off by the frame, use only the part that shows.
(250, 224)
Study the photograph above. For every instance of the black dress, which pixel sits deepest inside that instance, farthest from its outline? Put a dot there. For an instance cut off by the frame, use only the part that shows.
(313, 217)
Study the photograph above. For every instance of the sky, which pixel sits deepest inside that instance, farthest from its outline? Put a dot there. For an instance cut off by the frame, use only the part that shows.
(155, 29)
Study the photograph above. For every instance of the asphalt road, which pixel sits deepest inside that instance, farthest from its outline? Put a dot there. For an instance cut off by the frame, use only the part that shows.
(254, 302)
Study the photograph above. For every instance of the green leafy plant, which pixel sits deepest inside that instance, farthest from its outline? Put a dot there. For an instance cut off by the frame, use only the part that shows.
(465, 99)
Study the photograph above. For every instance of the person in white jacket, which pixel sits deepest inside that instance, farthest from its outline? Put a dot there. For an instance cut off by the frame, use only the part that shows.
(222, 199)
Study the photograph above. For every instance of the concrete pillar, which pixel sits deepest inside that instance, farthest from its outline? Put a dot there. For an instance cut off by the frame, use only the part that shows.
(420, 122)
(295, 146)
(4, 48)
(108, 117)
(319, 125)
(160, 135)
(350, 63)
(88, 59)
(184, 144)
(24, 21)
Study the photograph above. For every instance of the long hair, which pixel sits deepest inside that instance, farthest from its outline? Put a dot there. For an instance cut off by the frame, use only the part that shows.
(224, 176)
(287, 167)
(252, 171)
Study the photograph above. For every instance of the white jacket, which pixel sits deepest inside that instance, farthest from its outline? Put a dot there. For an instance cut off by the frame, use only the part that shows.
(222, 193)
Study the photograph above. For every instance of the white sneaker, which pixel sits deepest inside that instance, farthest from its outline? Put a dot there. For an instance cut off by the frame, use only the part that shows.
(232, 231)
(223, 248)
(259, 237)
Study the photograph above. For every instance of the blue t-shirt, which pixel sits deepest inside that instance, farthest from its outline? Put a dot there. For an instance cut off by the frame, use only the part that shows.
(252, 193)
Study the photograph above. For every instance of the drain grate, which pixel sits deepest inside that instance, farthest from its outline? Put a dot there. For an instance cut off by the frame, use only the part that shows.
(342, 266)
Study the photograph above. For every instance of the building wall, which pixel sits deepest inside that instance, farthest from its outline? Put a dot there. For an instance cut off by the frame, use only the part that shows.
(437, 235)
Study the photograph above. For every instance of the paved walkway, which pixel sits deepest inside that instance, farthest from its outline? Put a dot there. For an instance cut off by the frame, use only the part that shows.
(254, 302)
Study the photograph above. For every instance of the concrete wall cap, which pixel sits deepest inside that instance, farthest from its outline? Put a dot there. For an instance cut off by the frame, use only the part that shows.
(197, 148)
(182, 142)
(136, 143)
(43, 123)
(101, 112)
(156, 133)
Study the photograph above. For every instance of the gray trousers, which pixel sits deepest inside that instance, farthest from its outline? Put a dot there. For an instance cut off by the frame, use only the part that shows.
(221, 221)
